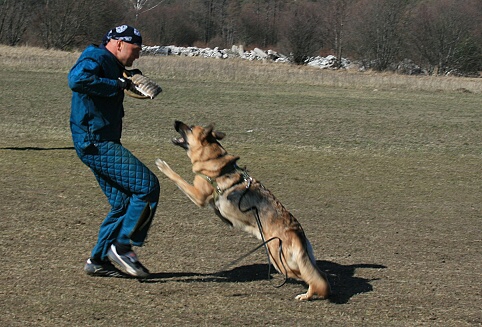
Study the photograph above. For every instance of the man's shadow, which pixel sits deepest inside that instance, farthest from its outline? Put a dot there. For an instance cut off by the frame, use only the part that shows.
(344, 284)
(36, 148)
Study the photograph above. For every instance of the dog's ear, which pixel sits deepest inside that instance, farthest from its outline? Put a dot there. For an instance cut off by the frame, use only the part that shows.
(208, 129)
(218, 135)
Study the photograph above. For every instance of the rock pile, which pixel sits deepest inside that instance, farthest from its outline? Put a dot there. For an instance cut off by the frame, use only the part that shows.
(239, 52)
(406, 66)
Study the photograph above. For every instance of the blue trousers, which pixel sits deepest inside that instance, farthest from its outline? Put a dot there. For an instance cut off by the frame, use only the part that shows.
(131, 189)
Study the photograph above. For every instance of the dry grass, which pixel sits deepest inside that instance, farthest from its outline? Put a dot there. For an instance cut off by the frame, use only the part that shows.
(241, 71)
(36, 59)
(258, 72)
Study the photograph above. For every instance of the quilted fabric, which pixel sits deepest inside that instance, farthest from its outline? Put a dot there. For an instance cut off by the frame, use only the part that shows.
(129, 187)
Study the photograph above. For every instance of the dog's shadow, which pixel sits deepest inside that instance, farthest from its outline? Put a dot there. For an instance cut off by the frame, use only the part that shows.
(342, 278)
(344, 283)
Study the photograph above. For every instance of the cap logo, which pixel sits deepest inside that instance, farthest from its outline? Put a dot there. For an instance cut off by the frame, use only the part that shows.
(121, 29)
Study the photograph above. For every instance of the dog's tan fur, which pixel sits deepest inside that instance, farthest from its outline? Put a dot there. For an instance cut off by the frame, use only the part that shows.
(232, 194)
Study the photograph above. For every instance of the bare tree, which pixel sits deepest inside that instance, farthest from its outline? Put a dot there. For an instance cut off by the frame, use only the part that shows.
(249, 28)
(232, 23)
(142, 6)
(60, 22)
(14, 19)
(208, 20)
(271, 14)
(336, 14)
(441, 33)
(66, 24)
(377, 35)
(171, 24)
(303, 30)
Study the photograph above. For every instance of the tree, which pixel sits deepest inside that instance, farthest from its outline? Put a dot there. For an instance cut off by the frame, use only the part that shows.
(336, 14)
(208, 20)
(440, 32)
(303, 30)
(231, 25)
(378, 31)
(59, 23)
(142, 6)
(249, 28)
(468, 57)
(14, 19)
(170, 24)
(66, 24)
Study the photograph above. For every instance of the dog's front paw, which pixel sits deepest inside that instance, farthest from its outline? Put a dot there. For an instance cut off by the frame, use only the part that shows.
(162, 165)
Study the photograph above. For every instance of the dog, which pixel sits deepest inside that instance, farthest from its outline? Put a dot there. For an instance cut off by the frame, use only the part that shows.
(243, 202)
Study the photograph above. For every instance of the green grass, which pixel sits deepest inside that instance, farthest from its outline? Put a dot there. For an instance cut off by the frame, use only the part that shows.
(36, 105)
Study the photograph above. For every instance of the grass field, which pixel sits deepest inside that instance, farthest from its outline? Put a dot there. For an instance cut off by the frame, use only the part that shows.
(383, 172)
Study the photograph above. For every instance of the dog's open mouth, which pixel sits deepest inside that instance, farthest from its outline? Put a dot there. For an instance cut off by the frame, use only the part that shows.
(180, 141)
(181, 129)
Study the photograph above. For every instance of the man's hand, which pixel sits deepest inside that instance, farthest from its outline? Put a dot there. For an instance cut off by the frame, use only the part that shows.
(124, 83)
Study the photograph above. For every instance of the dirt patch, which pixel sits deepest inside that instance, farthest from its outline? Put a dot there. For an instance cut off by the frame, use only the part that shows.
(386, 185)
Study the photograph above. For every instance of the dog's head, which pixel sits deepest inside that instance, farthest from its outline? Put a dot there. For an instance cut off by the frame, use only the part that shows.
(196, 138)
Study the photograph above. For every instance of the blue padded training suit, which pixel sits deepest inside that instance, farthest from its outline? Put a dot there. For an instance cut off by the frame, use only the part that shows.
(96, 124)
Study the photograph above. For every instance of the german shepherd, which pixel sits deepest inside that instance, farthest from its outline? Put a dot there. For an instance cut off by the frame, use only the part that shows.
(244, 203)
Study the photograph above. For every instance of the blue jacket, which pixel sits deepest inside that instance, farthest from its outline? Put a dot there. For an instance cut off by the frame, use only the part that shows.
(97, 109)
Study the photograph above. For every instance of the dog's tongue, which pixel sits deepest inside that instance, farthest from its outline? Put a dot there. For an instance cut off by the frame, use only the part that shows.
(178, 140)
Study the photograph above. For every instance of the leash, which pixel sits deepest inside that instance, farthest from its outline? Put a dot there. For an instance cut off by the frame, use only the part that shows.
(264, 242)
(246, 178)
(248, 254)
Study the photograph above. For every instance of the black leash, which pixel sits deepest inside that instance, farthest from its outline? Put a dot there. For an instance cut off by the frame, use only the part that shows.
(264, 242)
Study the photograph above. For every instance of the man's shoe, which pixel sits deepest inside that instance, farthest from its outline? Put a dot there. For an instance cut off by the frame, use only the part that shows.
(101, 269)
(129, 262)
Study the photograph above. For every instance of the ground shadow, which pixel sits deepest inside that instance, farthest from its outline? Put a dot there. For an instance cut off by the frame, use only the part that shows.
(36, 148)
(342, 280)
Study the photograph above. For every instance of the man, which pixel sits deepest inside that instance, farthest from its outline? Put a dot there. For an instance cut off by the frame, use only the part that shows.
(96, 124)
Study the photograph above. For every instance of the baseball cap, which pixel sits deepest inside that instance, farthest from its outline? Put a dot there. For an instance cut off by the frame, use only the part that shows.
(124, 33)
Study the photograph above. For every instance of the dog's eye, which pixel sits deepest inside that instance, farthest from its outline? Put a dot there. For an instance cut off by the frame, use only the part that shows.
(191, 127)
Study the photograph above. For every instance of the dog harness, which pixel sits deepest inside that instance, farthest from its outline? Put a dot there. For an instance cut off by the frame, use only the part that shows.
(230, 169)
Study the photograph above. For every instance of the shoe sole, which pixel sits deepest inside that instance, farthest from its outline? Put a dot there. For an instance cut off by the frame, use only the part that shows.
(112, 254)
(99, 271)
(104, 273)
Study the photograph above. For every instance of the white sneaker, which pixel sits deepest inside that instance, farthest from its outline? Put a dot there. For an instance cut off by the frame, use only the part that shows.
(129, 262)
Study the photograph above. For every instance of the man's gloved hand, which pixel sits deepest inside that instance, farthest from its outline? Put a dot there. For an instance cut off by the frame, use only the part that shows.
(124, 83)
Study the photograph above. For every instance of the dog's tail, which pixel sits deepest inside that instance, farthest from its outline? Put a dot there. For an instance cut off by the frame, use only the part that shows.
(297, 260)
(315, 278)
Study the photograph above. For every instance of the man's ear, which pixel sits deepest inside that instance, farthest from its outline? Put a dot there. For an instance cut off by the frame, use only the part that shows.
(119, 44)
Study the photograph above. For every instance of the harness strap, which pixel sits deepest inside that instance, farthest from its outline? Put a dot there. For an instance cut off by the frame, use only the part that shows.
(217, 190)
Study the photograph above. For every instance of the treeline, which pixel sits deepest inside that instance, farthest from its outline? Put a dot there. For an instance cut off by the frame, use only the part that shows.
(439, 35)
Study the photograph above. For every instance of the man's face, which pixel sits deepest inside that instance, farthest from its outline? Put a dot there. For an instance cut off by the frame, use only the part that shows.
(127, 52)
